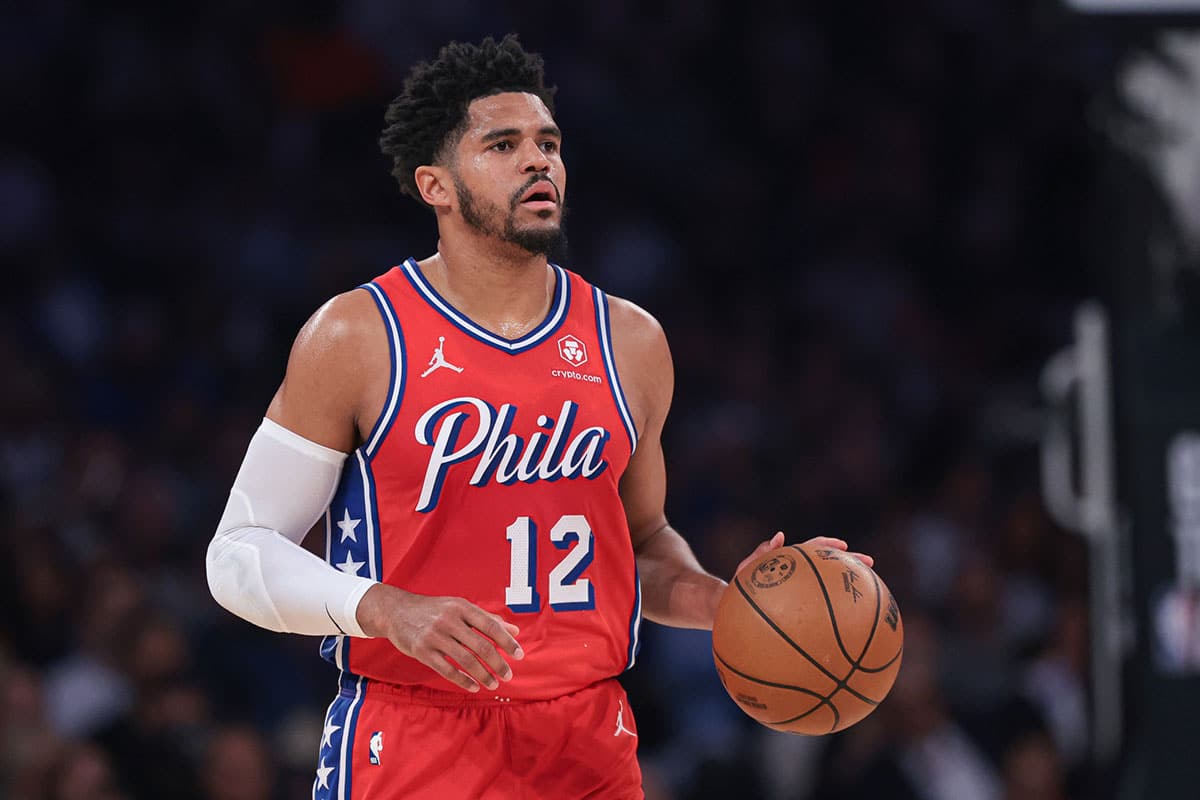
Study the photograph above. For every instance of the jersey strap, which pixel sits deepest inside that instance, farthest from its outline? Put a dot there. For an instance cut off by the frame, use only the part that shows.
(604, 331)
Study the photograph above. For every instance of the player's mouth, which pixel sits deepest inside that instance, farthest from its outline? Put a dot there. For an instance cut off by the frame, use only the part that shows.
(542, 196)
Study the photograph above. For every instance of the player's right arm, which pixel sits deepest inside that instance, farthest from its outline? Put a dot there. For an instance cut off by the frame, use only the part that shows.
(331, 394)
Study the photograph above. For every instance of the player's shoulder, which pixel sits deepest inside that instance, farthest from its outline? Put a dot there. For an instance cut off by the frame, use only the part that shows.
(643, 359)
(342, 330)
(635, 325)
(343, 317)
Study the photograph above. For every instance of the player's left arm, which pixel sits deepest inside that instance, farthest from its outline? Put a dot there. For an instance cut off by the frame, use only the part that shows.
(676, 590)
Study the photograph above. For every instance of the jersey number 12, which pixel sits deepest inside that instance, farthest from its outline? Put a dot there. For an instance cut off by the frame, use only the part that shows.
(568, 591)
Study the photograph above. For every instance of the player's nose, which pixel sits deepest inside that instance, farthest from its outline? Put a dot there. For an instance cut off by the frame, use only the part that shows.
(533, 157)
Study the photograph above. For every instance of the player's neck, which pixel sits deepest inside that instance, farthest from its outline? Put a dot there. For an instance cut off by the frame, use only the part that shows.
(506, 290)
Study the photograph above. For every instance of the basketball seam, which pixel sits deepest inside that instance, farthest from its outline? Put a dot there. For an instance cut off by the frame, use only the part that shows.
(822, 700)
(837, 634)
(871, 637)
(888, 663)
(855, 664)
(874, 623)
(840, 683)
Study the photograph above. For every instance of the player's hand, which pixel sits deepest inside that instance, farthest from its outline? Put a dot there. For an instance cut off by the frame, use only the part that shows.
(436, 630)
(776, 541)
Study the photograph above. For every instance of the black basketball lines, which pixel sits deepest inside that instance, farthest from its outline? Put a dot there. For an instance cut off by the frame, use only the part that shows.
(840, 684)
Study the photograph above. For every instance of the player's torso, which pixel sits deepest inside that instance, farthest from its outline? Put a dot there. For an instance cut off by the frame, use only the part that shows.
(493, 475)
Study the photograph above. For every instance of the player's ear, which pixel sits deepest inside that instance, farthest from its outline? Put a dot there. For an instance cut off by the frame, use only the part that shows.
(434, 184)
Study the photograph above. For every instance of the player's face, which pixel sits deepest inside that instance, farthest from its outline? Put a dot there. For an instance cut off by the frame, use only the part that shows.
(508, 172)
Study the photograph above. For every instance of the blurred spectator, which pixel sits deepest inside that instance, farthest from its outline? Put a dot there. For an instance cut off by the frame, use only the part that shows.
(1056, 682)
(86, 689)
(237, 766)
(978, 667)
(28, 744)
(1032, 770)
(84, 773)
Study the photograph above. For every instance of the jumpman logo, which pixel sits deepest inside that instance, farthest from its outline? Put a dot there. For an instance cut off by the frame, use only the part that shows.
(621, 721)
(439, 360)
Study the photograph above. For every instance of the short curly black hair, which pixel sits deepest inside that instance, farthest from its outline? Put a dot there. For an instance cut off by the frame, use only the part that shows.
(431, 114)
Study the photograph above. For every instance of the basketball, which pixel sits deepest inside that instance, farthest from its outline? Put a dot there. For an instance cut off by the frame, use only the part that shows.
(807, 640)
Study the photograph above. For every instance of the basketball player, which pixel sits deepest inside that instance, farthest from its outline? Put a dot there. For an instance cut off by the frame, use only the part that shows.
(480, 430)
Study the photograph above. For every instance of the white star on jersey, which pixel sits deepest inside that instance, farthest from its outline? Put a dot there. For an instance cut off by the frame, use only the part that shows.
(330, 729)
(350, 566)
(347, 526)
(323, 775)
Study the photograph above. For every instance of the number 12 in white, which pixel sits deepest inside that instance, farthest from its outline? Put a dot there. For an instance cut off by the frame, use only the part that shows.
(568, 591)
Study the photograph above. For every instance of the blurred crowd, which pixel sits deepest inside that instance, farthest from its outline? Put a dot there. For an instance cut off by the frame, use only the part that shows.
(861, 228)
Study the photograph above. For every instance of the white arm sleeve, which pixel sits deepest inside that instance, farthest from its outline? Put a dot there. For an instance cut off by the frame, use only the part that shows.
(256, 566)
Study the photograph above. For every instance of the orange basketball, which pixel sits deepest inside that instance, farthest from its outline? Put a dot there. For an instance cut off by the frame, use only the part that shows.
(807, 639)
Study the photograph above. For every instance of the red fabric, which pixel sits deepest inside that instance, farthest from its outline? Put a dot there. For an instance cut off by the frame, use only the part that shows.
(459, 546)
(442, 746)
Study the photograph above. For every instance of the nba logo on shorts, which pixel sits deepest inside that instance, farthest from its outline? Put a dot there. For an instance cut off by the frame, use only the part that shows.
(376, 746)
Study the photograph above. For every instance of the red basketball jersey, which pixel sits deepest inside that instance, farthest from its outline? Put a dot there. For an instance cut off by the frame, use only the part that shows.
(492, 474)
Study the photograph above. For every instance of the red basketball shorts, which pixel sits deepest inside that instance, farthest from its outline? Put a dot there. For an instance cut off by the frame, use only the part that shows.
(385, 742)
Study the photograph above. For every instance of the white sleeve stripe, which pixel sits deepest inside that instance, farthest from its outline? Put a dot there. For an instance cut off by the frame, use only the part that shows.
(297, 442)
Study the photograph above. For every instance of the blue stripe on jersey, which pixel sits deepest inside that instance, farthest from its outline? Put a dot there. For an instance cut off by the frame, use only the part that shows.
(352, 538)
(346, 762)
(635, 620)
(334, 718)
(371, 505)
(610, 365)
(331, 645)
(330, 648)
(336, 751)
(549, 325)
(399, 369)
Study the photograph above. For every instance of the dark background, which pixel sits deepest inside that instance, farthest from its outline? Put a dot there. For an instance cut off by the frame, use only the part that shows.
(864, 230)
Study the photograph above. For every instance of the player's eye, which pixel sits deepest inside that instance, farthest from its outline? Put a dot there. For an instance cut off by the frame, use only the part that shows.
(550, 146)
(502, 146)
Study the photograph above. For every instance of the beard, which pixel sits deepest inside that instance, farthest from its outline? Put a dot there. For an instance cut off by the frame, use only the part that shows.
(485, 218)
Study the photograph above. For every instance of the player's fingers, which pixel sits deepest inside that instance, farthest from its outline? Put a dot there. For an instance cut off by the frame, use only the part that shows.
(486, 652)
(439, 664)
(513, 630)
(774, 543)
(866, 559)
(468, 663)
(828, 541)
(493, 628)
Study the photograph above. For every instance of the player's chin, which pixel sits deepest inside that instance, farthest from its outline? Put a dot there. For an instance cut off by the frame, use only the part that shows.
(539, 217)
(540, 224)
